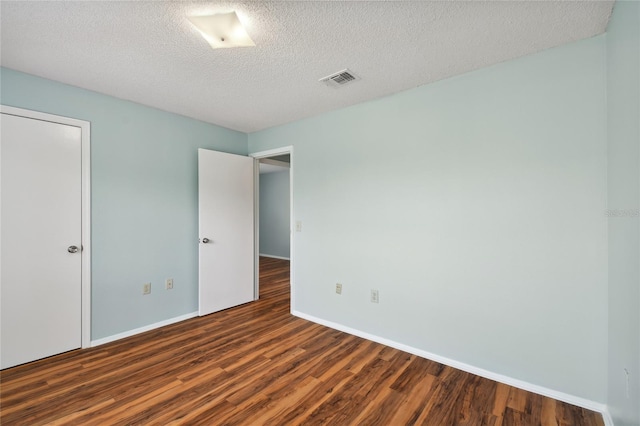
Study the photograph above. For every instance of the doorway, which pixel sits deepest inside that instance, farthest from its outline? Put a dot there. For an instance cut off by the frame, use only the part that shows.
(278, 157)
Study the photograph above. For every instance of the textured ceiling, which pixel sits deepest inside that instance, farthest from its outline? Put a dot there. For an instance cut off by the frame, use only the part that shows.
(149, 53)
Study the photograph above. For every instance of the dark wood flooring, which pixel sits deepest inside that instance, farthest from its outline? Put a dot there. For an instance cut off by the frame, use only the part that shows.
(258, 365)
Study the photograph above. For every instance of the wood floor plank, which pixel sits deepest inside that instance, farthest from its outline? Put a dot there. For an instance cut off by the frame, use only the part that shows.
(73, 417)
(548, 412)
(517, 399)
(514, 418)
(501, 396)
(256, 364)
(298, 414)
(415, 398)
(477, 401)
(381, 400)
(280, 402)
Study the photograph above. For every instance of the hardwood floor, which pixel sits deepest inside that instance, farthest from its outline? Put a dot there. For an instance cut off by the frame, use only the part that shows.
(258, 365)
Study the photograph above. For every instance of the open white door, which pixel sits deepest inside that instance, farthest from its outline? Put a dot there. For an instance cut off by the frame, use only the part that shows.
(226, 209)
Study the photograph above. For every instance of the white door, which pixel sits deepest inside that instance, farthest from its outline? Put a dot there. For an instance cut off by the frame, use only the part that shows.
(226, 209)
(40, 287)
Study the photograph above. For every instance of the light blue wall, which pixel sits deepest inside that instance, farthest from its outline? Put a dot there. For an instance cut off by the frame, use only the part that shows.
(475, 206)
(144, 198)
(623, 96)
(274, 214)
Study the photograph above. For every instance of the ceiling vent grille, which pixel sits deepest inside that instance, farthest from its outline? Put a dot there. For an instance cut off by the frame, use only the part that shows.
(339, 78)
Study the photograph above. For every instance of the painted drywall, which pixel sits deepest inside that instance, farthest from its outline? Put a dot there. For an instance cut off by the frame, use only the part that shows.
(623, 131)
(274, 214)
(475, 206)
(144, 198)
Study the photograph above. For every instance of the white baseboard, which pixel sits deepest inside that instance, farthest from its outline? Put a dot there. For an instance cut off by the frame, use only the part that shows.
(135, 331)
(275, 257)
(606, 416)
(560, 396)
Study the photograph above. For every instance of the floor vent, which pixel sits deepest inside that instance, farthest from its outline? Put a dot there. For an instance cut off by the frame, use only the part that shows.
(339, 78)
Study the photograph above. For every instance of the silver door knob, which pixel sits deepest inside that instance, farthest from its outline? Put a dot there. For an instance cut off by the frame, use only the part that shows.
(205, 240)
(72, 249)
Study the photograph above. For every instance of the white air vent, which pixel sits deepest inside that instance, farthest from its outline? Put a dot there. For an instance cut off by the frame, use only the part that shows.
(339, 78)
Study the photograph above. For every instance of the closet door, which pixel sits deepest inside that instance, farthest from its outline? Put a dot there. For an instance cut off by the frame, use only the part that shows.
(41, 242)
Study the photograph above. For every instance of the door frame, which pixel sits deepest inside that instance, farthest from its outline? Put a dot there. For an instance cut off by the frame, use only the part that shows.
(257, 156)
(85, 255)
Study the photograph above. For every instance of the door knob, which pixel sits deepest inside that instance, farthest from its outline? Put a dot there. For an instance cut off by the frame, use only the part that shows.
(205, 240)
(72, 249)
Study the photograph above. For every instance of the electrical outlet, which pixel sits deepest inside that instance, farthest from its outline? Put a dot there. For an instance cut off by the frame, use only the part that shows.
(169, 284)
(374, 296)
(146, 288)
(338, 288)
(299, 226)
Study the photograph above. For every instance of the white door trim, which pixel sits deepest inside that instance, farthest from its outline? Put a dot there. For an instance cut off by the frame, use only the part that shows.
(85, 128)
(257, 156)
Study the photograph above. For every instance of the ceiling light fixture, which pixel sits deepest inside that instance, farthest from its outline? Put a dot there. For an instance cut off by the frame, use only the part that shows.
(222, 30)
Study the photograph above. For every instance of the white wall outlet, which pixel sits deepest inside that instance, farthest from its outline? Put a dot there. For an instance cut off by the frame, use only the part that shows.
(374, 296)
(338, 288)
(298, 226)
(146, 288)
(169, 284)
